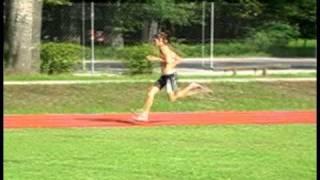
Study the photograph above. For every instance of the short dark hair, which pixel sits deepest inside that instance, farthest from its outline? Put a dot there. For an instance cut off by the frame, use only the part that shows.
(162, 35)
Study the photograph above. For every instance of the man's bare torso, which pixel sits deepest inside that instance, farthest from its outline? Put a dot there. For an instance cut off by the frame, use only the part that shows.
(168, 64)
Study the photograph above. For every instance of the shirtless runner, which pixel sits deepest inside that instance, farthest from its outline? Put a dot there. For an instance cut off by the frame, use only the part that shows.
(168, 60)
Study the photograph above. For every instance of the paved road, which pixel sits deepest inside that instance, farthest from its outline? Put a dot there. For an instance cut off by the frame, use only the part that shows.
(222, 63)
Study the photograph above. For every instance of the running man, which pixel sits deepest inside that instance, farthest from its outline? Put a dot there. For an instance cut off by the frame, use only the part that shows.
(168, 60)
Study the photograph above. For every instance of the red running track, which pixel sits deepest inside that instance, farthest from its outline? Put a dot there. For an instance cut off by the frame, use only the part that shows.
(159, 119)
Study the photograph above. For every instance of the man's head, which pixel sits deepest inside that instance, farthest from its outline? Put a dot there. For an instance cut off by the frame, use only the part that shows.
(160, 39)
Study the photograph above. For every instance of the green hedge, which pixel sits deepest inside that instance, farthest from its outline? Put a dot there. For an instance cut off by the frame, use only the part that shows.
(59, 57)
(135, 60)
(237, 48)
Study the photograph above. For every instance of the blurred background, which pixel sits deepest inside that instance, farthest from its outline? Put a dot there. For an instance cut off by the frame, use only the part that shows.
(63, 36)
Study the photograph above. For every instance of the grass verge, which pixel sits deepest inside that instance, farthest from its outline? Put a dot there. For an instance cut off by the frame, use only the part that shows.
(113, 97)
(35, 77)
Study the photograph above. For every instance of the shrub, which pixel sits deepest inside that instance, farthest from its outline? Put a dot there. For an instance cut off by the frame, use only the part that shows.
(220, 49)
(59, 57)
(135, 58)
(233, 49)
(272, 34)
(186, 50)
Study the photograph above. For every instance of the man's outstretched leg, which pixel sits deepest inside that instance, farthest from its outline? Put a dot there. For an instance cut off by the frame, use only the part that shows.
(190, 90)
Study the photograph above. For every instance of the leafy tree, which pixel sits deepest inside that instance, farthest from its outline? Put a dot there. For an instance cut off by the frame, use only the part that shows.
(301, 13)
(153, 16)
(272, 34)
(233, 19)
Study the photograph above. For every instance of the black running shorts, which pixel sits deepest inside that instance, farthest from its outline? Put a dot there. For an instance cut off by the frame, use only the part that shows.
(168, 80)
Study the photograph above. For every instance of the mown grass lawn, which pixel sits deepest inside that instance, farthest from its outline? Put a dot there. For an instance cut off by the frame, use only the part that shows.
(255, 152)
(122, 97)
(35, 77)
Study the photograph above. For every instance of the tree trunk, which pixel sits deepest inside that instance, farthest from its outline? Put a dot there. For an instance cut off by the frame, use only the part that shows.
(24, 35)
(149, 30)
(117, 38)
(73, 34)
(305, 43)
(6, 9)
(153, 29)
(145, 31)
(36, 35)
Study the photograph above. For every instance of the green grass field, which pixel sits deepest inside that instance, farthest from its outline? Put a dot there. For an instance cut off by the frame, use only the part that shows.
(32, 77)
(115, 97)
(241, 152)
(286, 152)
